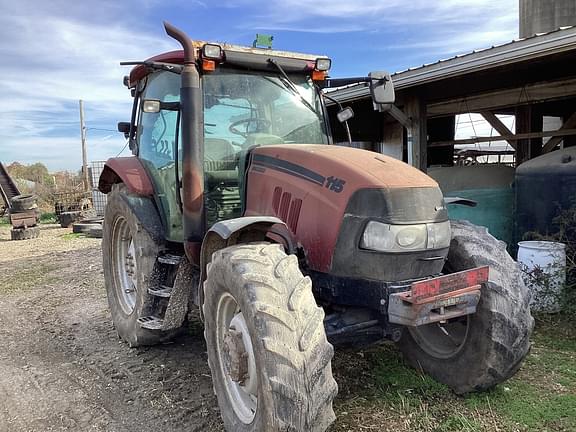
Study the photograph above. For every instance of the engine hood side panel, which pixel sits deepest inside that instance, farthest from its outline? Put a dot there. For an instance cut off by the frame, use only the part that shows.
(310, 187)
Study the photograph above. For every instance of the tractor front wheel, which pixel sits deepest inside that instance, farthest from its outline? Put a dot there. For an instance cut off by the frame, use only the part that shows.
(478, 351)
(267, 348)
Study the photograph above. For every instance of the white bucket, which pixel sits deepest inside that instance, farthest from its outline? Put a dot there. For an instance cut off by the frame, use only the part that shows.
(543, 265)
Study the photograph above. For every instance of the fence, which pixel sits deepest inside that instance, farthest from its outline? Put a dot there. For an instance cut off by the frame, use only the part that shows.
(98, 198)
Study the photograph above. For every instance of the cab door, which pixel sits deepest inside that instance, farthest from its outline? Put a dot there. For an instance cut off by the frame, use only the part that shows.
(156, 148)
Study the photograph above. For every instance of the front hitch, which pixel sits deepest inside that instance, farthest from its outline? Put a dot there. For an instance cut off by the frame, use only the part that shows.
(438, 299)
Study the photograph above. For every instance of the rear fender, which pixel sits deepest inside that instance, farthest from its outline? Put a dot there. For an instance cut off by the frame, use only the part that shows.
(127, 170)
(236, 231)
(148, 216)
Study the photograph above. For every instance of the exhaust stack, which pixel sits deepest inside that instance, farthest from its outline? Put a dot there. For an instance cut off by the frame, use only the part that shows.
(192, 133)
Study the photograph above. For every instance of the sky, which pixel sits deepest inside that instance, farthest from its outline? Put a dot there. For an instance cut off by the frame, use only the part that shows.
(53, 53)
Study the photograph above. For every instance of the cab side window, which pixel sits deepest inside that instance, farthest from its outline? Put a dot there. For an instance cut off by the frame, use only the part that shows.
(157, 131)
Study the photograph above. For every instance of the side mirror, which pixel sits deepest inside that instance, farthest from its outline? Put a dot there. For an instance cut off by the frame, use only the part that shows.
(345, 114)
(124, 127)
(381, 88)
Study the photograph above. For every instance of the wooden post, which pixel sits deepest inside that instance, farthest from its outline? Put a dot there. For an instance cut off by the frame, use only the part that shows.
(85, 179)
(528, 120)
(522, 126)
(415, 108)
(392, 140)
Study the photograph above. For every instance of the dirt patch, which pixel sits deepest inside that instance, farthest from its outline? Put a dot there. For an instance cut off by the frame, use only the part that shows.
(62, 366)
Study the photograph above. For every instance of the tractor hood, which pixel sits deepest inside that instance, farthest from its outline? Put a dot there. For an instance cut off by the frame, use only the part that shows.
(313, 188)
(357, 167)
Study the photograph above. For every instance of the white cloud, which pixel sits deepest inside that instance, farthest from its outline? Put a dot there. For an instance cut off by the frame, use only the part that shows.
(443, 27)
(50, 60)
(55, 53)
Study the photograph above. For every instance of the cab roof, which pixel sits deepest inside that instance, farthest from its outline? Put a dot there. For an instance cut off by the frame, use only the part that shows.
(241, 56)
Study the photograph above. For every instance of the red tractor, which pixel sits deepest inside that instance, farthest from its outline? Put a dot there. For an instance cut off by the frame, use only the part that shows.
(237, 203)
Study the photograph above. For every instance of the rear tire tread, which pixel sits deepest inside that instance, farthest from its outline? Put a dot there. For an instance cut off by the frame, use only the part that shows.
(502, 322)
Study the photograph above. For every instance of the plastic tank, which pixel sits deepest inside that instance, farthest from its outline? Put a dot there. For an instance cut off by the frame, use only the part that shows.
(543, 266)
(545, 186)
(490, 186)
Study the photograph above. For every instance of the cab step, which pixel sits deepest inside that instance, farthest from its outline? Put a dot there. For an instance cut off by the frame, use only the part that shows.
(169, 259)
(161, 291)
(151, 322)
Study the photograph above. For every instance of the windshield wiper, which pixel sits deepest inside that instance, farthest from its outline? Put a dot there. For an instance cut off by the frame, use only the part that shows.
(289, 84)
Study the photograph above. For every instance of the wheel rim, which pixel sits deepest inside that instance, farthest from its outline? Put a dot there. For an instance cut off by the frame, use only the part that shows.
(442, 340)
(236, 358)
(124, 265)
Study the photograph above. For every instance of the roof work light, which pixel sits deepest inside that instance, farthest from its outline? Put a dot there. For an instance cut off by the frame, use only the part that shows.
(212, 51)
(323, 64)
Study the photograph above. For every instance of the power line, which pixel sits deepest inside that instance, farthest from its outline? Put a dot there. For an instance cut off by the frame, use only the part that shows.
(123, 148)
(99, 129)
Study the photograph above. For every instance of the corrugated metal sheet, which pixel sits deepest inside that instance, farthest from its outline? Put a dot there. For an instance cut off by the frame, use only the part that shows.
(540, 45)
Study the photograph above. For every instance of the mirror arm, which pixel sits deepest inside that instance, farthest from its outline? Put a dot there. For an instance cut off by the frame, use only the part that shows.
(349, 136)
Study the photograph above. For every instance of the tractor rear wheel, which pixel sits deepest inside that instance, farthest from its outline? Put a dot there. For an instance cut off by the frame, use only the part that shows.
(478, 351)
(267, 348)
(129, 255)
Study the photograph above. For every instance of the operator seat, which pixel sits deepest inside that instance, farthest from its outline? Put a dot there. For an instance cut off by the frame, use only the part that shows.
(219, 155)
(221, 174)
(220, 163)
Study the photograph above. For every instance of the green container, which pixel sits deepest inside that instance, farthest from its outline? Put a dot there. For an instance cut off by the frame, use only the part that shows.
(488, 185)
(494, 210)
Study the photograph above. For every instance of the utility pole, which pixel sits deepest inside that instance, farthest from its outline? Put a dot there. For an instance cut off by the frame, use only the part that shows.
(85, 179)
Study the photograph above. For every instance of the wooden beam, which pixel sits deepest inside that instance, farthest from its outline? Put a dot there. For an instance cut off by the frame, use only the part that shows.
(497, 124)
(392, 140)
(524, 115)
(415, 109)
(561, 132)
(531, 93)
(555, 140)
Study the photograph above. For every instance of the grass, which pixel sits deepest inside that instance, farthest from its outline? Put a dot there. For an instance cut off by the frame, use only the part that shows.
(21, 279)
(48, 218)
(378, 392)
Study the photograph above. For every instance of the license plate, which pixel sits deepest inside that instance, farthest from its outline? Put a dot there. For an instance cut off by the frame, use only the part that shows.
(424, 290)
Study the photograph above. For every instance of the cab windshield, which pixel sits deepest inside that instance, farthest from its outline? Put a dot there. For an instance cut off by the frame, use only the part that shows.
(248, 109)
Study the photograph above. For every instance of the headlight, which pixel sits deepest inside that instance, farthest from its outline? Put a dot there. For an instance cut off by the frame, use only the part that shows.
(397, 238)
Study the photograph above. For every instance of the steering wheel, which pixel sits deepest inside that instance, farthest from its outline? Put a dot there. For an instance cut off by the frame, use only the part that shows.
(260, 125)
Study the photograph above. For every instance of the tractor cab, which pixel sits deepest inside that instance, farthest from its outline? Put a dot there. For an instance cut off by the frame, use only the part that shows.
(249, 98)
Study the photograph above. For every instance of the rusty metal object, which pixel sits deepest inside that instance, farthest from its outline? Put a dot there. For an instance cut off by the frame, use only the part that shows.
(422, 291)
(24, 219)
(235, 355)
(8, 188)
(73, 201)
(438, 299)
